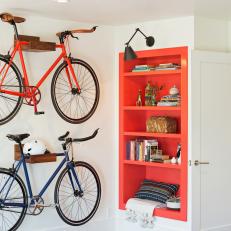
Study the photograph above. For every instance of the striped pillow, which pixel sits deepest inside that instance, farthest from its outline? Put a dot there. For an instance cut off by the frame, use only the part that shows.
(156, 191)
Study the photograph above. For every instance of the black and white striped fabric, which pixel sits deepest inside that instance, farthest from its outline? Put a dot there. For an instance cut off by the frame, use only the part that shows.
(156, 191)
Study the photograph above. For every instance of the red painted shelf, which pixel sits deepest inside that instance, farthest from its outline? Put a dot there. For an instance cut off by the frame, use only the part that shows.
(146, 73)
(132, 124)
(150, 108)
(148, 134)
(152, 164)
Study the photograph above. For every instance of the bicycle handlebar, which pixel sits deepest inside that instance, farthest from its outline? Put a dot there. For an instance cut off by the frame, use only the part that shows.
(62, 138)
(86, 138)
(84, 30)
(71, 32)
(68, 140)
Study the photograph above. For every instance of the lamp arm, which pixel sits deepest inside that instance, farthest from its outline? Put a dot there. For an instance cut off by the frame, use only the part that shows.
(141, 32)
(137, 29)
(132, 36)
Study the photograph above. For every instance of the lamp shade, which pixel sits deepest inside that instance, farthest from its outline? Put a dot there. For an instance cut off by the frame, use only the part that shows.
(129, 53)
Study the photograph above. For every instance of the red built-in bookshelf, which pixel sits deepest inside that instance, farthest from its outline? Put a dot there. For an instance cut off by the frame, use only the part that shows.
(132, 125)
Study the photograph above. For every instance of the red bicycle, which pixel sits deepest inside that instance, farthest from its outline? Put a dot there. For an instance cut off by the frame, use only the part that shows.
(74, 88)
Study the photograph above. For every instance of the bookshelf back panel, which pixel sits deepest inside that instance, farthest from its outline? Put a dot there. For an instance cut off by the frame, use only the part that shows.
(133, 176)
(163, 175)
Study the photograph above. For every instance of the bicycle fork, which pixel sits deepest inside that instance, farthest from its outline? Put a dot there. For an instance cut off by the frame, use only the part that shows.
(74, 178)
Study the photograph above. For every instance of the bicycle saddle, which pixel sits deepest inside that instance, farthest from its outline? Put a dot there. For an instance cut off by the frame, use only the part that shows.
(7, 17)
(18, 138)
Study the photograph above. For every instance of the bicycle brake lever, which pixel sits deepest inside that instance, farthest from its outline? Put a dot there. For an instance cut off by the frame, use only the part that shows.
(74, 36)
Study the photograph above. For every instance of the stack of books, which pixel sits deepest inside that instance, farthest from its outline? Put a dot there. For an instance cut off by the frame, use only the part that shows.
(167, 66)
(140, 68)
(160, 158)
(145, 150)
(135, 150)
(170, 100)
(162, 66)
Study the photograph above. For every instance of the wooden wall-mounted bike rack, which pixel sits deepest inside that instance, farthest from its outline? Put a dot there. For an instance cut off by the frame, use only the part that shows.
(35, 45)
(41, 158)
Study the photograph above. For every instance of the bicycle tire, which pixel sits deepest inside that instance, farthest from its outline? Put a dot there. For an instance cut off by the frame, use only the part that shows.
(21, 186)
(80, 99)
(58, 197)
(6, 98)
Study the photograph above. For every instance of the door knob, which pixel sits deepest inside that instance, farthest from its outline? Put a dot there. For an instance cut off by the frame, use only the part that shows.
(197, 162)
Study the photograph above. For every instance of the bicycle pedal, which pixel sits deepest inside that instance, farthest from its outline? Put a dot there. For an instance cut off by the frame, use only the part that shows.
(39, 113)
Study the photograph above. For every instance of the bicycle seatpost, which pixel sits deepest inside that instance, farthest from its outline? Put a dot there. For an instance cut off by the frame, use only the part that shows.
(15, 30)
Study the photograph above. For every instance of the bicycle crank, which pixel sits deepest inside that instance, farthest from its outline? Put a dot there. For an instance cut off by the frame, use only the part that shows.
(36, 206)
(35, 98)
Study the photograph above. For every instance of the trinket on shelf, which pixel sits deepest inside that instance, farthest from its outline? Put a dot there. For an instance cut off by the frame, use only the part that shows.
(139, 98)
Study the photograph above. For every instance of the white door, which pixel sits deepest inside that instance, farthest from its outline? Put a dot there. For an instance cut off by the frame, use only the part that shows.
(211, 141)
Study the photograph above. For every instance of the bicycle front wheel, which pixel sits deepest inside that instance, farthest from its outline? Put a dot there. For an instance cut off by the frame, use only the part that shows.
(72, 105)
(13, 201)
(75, 207)
(10, 80)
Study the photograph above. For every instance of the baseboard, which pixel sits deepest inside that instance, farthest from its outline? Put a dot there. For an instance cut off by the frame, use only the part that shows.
(102, 225)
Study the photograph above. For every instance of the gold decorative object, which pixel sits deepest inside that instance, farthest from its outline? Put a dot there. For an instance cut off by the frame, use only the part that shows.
(161, 124)
(148, 94)
(139, 98)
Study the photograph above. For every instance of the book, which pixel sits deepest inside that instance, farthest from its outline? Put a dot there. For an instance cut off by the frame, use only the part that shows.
(141, 151)
(140, 70)
(171, 104)
(132, 150)
(162, 161)
(162, 157)
(137, 149)
(128, 150)
(142, 66)
(167, 66)
(147, 148)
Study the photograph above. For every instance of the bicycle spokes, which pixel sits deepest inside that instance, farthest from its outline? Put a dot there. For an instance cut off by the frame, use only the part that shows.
(78, 206)
(74, 104)
(13, 202)
(10, 81)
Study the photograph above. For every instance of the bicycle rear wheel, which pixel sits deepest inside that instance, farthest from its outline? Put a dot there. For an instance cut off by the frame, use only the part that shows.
(71, 105)
(9, 104)
(13, 206)
(75, 207)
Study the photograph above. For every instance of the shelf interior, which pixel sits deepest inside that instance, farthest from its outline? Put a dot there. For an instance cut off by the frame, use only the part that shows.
(136, 122)
(151, 60)
(133, 85)
(135, 174)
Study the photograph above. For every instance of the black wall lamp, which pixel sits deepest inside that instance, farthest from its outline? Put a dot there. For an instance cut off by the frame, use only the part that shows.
(129, 53)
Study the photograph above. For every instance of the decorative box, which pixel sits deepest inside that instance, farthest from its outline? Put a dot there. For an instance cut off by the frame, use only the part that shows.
(161, 124)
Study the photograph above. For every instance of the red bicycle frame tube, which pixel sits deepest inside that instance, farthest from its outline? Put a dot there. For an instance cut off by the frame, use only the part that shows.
(18, 47)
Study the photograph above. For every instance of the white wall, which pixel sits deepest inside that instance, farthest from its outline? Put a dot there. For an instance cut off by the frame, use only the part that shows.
(97, 50)
(101, 50)
(229, 35)
(211, 34)
(167, 33)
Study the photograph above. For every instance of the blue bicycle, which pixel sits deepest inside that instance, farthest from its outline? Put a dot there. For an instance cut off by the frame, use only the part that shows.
(77, 191)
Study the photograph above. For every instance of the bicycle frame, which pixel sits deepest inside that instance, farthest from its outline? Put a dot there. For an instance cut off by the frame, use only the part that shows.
(22, 162)
(27, 93)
